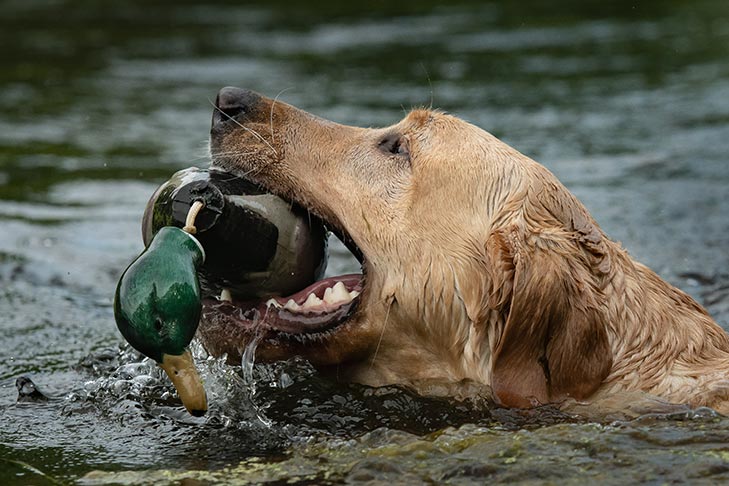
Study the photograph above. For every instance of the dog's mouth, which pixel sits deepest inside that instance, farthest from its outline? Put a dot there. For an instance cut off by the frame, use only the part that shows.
(289, 323)
(309, 314)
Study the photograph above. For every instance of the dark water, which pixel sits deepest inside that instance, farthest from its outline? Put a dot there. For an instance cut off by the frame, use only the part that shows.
(627, 102)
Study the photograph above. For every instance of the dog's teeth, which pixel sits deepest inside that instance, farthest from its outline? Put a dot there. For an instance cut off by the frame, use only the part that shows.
(291, 305)
(226, 295)
(339, 293)
(273, 303)
(312, 301)
(335, 295)
(328, 296)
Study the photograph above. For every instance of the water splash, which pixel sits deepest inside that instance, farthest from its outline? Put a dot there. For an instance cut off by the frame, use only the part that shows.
(122, 381)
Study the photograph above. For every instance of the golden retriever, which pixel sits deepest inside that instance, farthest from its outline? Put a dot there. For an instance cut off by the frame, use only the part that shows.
(478, 264)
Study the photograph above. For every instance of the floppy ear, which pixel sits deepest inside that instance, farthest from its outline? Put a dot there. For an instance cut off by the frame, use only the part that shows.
(554, 342)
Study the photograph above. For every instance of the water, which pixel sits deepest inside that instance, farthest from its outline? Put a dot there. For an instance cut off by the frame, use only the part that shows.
(628, 103)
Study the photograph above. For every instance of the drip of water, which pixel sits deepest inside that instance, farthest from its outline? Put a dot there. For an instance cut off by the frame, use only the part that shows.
(248, 360)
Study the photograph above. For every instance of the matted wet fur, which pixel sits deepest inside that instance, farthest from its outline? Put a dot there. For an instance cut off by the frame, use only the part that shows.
(479, 265)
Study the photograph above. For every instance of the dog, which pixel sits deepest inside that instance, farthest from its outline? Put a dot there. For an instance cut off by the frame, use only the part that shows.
(477, 264)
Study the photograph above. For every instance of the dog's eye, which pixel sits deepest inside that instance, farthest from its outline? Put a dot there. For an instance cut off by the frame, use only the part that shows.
(394, 144)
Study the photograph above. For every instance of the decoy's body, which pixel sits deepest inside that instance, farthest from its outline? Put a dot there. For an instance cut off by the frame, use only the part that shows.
(243, 243)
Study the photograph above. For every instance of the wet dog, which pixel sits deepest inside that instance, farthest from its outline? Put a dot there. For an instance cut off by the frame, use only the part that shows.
(478, 264)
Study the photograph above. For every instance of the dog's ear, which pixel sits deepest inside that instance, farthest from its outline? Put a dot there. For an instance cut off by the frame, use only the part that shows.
(554, 342)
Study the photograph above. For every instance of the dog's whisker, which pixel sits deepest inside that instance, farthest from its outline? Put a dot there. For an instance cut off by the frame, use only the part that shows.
(250, 172)
(203, 150)
(430, 85)
(382, 332)
(260, 137)
(273, 104)
(249, 130)
(233, 153)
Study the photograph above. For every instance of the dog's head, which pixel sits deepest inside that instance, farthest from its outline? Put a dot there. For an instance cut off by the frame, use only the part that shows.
(477, 262)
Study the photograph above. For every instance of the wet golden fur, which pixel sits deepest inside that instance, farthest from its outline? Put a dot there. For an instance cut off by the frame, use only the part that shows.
(481, 265)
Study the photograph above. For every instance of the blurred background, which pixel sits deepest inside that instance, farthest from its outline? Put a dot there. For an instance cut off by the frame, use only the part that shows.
(627, 102)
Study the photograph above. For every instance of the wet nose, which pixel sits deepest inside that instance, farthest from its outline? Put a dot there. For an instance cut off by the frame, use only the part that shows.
(233, 103)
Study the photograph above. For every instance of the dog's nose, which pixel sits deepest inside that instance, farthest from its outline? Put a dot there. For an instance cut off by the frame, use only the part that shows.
(234, 102)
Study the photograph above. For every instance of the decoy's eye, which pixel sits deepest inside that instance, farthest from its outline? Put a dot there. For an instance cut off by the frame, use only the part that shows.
(394, 144)
(158, 324)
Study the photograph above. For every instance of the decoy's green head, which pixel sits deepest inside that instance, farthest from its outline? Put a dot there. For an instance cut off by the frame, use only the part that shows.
(163, 322)
(157, 303)
(157, 309)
